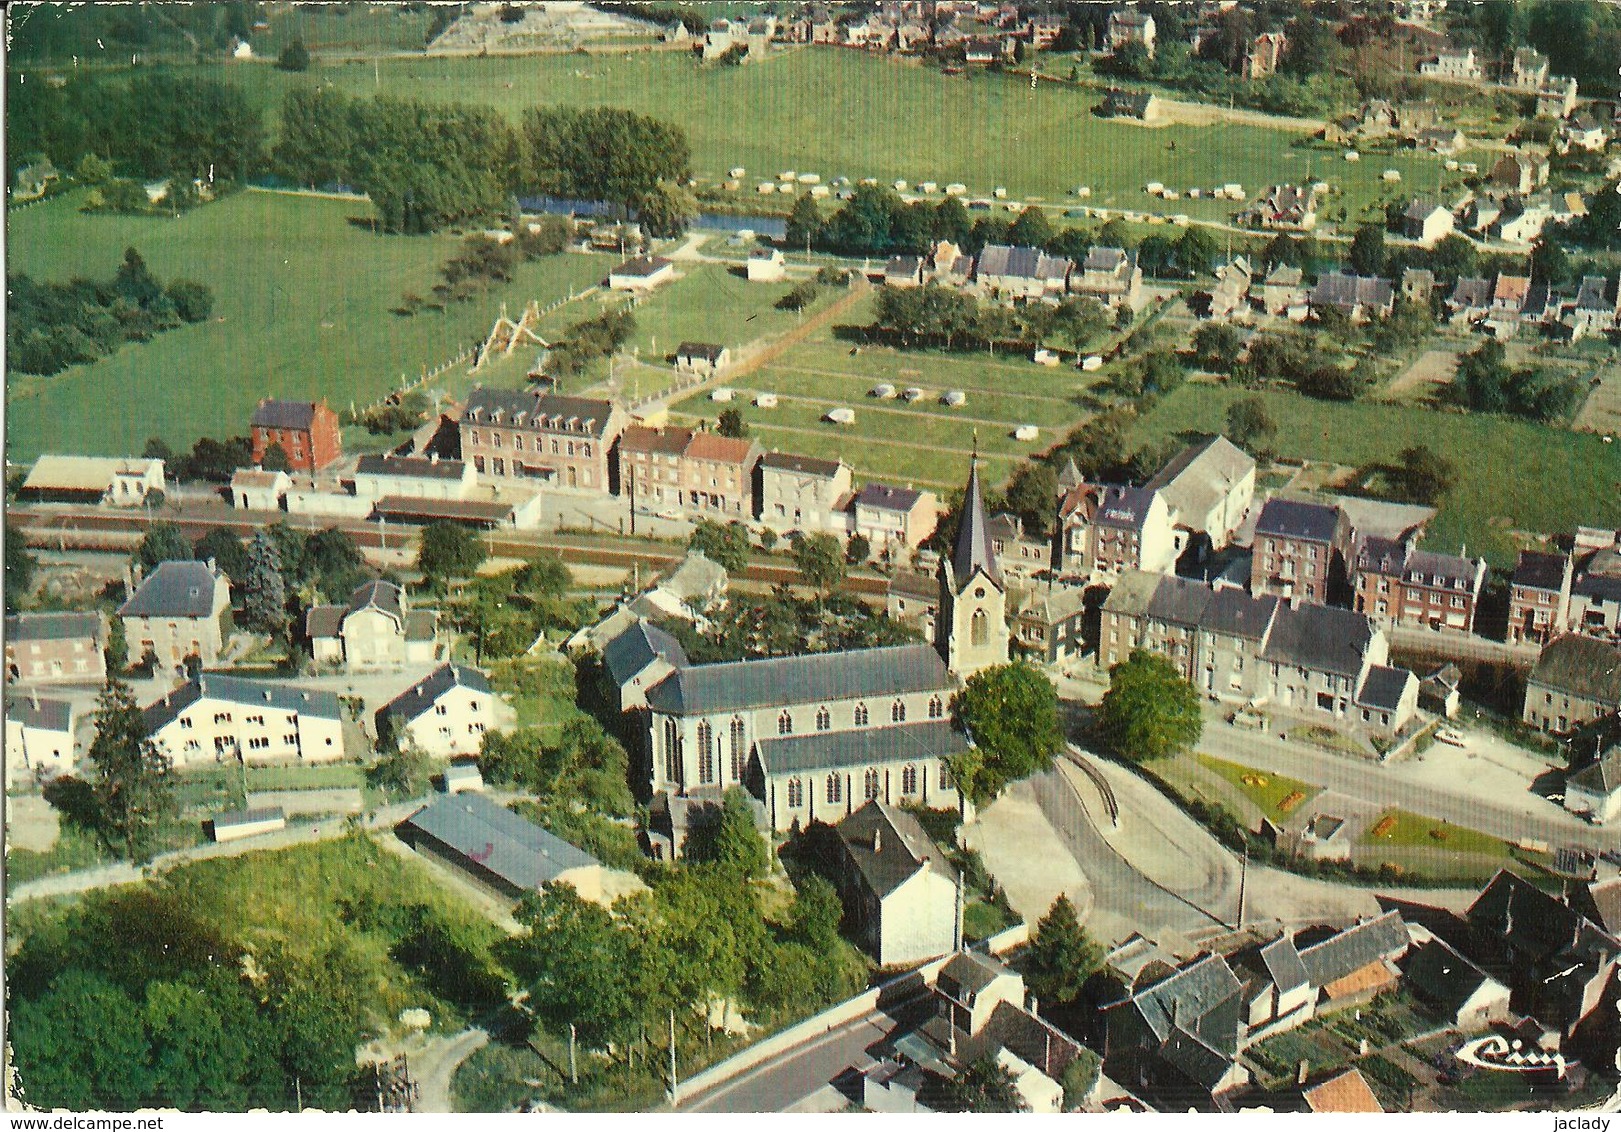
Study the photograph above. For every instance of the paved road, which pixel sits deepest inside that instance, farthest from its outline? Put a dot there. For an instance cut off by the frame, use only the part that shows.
(780, 1083)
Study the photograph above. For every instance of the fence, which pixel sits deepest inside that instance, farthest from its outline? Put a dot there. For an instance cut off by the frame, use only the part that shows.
(897, 990)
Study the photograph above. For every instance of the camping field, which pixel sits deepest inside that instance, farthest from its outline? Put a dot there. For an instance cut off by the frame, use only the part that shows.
(848, 113)
(302, 308)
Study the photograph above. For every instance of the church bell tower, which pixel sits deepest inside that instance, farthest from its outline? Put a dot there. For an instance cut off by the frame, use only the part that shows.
(971, 630)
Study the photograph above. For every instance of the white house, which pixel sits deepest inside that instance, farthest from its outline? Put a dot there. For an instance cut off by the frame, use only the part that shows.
(766, 265)
(377, 628)
(1453, 65)
(256, 490)
(39, 738)
(641, 274)
(413, 477)
(705, 358)
(897, 887)
(113, 481)
(1594, 792)
(218, 717)
(445, 713)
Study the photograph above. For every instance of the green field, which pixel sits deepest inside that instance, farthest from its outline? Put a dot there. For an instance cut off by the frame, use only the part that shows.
(1409, 830)
(853, 114)
(1512, 475)
(302, 309)
(1268, 791)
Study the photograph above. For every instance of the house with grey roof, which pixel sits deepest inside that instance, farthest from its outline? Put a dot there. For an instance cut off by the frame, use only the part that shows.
(540, 434)
(1048, 620)
(894, 518)
(1539, 596)
(1576, 680)
(1397, 583)
(1299, 550)
(445, 713)
(39, 737)
(803, 493)
(1460, 992)
(1176, 1041)
(899, 892)
(215, 717)
(1110, 275)
(504, 854)
(376, 629)
(638, 658)
(1357, 297)
(178, 612)
(1208, 488)
(55, 648)
(1594, 791)
(1107, 529)
(413, 477)
(1015, 272)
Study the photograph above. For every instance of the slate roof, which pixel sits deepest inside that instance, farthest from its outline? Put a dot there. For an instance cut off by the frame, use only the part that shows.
(1423, 207)
(296, 415)
(376, 594)
(1291, 518)
(1355, 948)
(1179, 601)
(1194, 1058)
(1124, 507)
(864, 746)
(39, 712)
(886, 498)
(903, 266)
(1471, 294)
(908, 584)
(1384, 687)
(708, 351)
(971, 972)
(801, 465)
(1600, 902)
(1601, 777)
(1184, 998)
(1234, 613)
(1283, 275)
(1106, 260)
(1004, 260)
(637, 647)
(973, 550)
(641, 266)
(421, 696)
(237, 690)
(1320, 638)
(1283, 963)
(1593, 294)
(530, 409)
(1132, 593)
(1532, 923)
(52, 626)
(519, 852)
(1201, 474)
(1342, 289)
(697, 575)
(174, 589)
(322, 621)
(903, 847)
(1582, 667)
(416, 467)
(804, 679)
(1538, 571)
(230, 819)
(1438, 973)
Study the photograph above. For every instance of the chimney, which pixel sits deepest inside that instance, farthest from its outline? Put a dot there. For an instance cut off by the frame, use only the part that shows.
(1302, 1072)
(877, 841)
(213, 567)
(1035, 1007)
(33, 698)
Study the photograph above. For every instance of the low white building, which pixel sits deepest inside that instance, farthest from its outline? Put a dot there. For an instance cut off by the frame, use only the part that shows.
(215, 717)
(641, 274)
(111, 480)
(445, 713)
(766, 265)
(413, 477)
(705, 358)
(255, 490)
(233, 825)
(39, 738)
(1594, 792)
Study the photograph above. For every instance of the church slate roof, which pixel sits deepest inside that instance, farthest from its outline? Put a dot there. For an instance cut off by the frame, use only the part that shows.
(973, 550)
(808, 678)
(903, 847)
(637, 647)
(827, 750)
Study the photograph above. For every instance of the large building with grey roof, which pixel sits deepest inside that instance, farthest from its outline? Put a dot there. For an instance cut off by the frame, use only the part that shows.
(1106, 529)
(502, 852)
(802, 493)
(447, 712)
(541, 435)
(899, 891)
(1576, 680)
(1299, 550)
(1397, 583)
(1208, 487)
(176, 613)
(215, 717)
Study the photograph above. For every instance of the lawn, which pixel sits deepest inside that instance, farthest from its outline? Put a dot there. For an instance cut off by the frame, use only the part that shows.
(1512, 475)
(302, 309)
(852, 114)
(1275, 794)
(1399, 828)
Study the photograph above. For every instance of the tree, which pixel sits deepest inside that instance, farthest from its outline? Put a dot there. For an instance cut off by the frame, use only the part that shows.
(820, 561)
(93, 169)
(1032, 495)
(81, 1045)
(1149, 711)
(276, 459)
(1079, 1077)
(192, 301)
(403, 772)
(1217, 346)
(667, 210)
(1195, 250)
(1080, 320)
(1061, 956)
(449, 550)
(1332, 383)
(1453, 257)
(724, 544)
(798, 297)
(19, 573)
(730, 842)
(858, 549)
(134, 778)
(1550, 263)
(731, 423)
(227, 551)
(1032, 229)
(579, 968)
(162, 542)
(1367, 256)
(804, 223)
(984, 1085)
(294, 57)
(1250, 425)
(602, 153)
(264, 597)
(1011, 711)
(1424, 475)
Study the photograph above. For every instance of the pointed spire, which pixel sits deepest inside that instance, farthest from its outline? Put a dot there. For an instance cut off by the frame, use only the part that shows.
(974, 550)
(1070, 476)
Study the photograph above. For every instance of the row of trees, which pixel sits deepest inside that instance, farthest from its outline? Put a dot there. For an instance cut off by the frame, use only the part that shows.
(932, 315)
(432, 165)
(1486, 383)
(56, 325)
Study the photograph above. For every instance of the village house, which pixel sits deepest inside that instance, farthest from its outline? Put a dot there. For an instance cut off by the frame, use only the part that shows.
(1470, 299)
(1576, 680)
(639, 658)
(39, 738)
(1582, 131)
(703, 358)
(1417, 286)
(983, 50)
(1176, 1041)
(913, 599)
(1595, 589)
(1453, 65)
(802, 493)
(1459, 992)
(1426, 221)
(178, 613)
(307, 432)
(1594, 792)
(1539, 597)
(1006, 272)
(1399, 584)
(1048, 621)
(1264, 53)
(1129, 26)
(690, 469)
(766, 265)
(1106, 529)
(1528, 69)
(1282, 289)
(1358, 297)
(1022, 555)
(55, 648)
(1228, 296)
(641, 274)
(1284, 208)
(1519, 172)
(376, 629)
(894, 518)
(903, 271)
(538, 434)
(1298, 546)
(253, 489)
(1043, 30)
(1443, 140)
(1300, 975)
(1596, 309)
(1142, 105)
(1557, 98)
(900, 894)
(445, 713)
(1110, 275)
(106, 480)
(1208, 488)
(412, 477)
(1523, 218)
(218, 718)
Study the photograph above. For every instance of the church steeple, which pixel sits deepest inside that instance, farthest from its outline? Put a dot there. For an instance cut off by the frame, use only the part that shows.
(974, 550)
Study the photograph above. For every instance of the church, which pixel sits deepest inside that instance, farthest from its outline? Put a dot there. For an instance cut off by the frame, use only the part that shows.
(817, 736)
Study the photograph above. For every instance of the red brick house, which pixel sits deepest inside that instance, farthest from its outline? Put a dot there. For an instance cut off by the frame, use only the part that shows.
(1398, 583)
(306, 430)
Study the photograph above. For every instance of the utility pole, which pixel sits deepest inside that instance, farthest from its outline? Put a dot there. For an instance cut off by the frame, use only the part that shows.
(673, 1081)
(573, 1066)
(1243, 883)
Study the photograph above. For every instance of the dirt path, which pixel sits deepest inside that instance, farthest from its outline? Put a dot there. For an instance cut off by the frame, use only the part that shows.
(435, 1067)
(1432, 368)
(771, 351)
